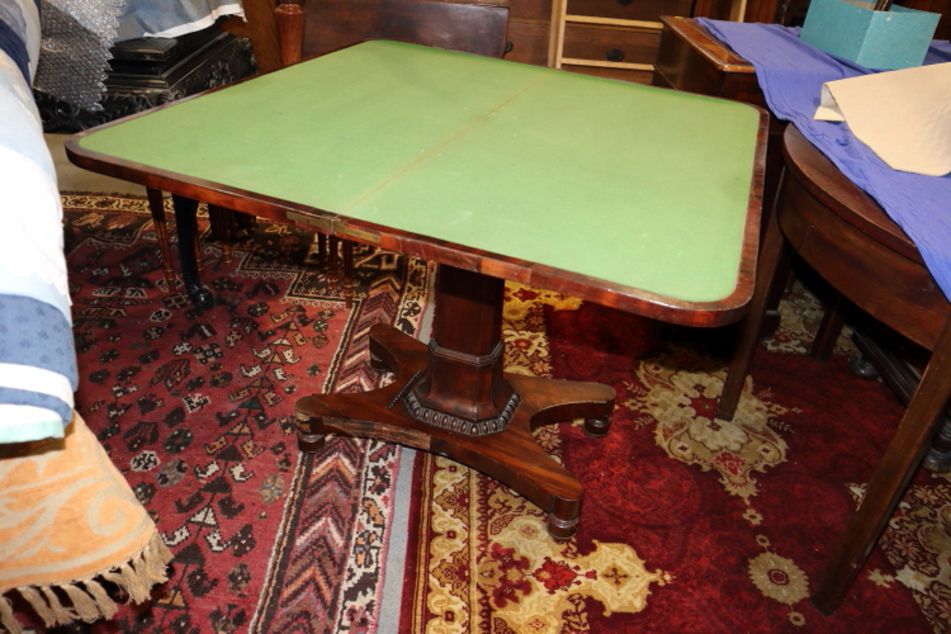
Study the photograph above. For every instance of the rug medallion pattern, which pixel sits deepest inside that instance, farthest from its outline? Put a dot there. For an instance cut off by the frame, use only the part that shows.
(720, 526)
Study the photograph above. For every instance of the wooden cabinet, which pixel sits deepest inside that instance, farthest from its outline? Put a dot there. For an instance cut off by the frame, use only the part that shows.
(614, 38)
(528, 31)
(611, 38)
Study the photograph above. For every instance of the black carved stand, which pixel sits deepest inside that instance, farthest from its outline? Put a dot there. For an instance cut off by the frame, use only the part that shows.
(148, 72)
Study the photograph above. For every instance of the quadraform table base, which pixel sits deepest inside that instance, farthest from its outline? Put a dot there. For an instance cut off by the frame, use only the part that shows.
(511, 456)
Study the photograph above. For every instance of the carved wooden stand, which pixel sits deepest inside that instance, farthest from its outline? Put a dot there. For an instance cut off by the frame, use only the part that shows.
(452, 398)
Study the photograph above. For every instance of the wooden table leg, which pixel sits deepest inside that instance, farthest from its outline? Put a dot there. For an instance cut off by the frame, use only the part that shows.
(829, 329)
(771, 254)
(451, 398)
(891, 476)
(157, 209)
(186, 221)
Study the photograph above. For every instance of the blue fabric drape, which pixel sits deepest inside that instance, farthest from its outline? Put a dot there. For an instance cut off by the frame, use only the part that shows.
(791, 74)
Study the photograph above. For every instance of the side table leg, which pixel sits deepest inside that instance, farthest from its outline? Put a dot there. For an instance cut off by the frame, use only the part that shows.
(186, 219)
(829, 329)
(597, 427)
(311, 436)
(511, 456)
(890, 479)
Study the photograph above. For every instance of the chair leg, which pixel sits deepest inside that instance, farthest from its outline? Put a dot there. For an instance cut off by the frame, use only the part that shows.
(829, 330)
(157, 209)
(223, 227)
(348, 272)
(771, 255)
(329, 248)
(891, 476)
(333, 266)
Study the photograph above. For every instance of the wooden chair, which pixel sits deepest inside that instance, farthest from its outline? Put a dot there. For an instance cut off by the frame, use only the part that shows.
(847, 238)
(470, 26)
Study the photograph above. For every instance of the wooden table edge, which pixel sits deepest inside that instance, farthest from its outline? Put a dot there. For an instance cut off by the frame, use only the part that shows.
(820, 182)
(721, 55)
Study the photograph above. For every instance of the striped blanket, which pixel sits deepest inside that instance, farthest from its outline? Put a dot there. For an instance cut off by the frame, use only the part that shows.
(37, 360)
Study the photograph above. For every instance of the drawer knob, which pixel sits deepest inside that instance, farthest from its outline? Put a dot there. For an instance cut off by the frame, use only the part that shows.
(614, 55)
(508, 46)
(624, 3)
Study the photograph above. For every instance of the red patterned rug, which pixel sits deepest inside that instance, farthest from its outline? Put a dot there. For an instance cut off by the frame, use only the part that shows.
(689, 524)
(197, 411)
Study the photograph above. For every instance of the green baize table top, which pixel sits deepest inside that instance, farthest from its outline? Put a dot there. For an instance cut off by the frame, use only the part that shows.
(630, 184)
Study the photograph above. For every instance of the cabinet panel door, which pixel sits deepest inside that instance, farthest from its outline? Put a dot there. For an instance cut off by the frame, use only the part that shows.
(529, 42)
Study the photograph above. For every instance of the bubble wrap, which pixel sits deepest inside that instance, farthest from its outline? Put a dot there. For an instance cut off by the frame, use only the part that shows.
(75, 49)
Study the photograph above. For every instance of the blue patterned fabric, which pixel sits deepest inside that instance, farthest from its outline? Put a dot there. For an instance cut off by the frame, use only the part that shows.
(34, 333)
(38, 373)
(791, 73)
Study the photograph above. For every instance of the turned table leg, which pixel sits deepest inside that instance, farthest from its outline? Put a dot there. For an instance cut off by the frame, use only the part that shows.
(891, 477)
(157, 209)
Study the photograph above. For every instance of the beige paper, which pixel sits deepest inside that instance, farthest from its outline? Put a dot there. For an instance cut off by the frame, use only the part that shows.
(904, 116)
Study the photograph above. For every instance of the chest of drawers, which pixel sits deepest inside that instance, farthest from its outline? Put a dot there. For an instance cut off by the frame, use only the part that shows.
(610, 38)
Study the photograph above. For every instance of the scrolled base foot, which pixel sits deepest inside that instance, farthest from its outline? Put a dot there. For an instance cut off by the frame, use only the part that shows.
(561, 528)
(597, 427)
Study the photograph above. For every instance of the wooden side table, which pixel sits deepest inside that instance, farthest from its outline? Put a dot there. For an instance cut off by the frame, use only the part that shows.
(846, 237)
(694, 60)
(434, 187)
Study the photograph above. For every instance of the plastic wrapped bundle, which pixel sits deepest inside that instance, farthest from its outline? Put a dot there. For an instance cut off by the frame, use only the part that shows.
(75, 51)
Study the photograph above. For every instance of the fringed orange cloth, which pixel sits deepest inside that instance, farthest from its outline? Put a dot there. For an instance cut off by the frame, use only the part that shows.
(68, 521)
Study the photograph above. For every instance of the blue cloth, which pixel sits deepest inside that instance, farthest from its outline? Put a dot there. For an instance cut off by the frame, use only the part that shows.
(791, 74)
(38, 370)
(171, 18)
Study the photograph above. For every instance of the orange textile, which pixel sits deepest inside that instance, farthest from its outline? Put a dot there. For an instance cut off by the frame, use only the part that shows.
(69, 519)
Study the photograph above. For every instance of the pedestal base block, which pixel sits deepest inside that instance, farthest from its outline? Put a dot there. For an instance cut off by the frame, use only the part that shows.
(511, 456)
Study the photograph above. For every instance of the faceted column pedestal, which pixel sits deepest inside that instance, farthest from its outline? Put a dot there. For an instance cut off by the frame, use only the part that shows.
(451, 398)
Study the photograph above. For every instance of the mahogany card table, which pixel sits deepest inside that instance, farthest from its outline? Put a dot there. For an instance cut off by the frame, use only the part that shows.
(639, 198)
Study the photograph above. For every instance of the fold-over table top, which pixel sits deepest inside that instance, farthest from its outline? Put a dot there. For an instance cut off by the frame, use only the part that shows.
(634, 189)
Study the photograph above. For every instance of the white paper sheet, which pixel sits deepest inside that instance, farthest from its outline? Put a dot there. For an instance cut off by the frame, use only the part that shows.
(904, 116)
